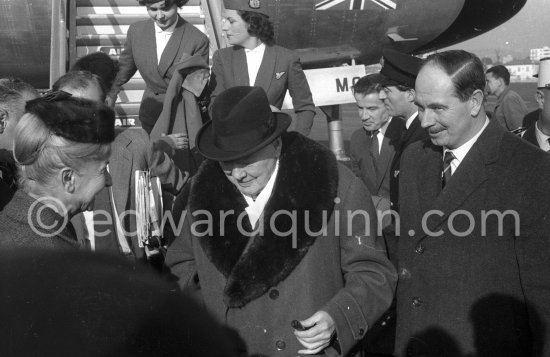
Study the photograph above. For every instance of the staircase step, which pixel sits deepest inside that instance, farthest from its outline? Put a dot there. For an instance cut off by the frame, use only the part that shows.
(109, 39)
(134, 3)
(121, 20)
(186, 11)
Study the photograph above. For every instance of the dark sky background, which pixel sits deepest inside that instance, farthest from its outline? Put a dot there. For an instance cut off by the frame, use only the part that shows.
(530, 28)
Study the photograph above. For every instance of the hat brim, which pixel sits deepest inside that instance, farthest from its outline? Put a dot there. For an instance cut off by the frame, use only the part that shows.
(208, 149)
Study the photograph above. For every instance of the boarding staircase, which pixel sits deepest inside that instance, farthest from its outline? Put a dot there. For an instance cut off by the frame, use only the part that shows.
(101, 25)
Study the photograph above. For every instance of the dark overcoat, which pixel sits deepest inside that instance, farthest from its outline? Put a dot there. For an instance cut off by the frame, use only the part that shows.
(140, 54)
(259, 285)
(464, 287)
(28, 222)
(280, 70)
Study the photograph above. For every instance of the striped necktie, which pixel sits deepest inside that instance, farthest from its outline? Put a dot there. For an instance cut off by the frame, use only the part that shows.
(446, 174)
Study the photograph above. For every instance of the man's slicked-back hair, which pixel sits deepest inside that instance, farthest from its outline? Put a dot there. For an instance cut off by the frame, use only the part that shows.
(11, 101)
(464, 68)
(500, 71)
(100, 64)
(80, 80)
(20, 86)
(366, 85)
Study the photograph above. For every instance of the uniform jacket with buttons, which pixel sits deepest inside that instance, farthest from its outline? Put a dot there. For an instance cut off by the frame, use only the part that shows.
(510, 110)
(467, 289)
(140, 54)
(280, 70)
(259, 285)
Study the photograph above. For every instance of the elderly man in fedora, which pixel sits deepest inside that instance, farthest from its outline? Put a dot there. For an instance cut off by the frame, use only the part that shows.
(279, 239)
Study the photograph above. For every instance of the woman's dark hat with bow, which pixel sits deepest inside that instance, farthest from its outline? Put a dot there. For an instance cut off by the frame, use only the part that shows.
(242, 124)
(76, 119)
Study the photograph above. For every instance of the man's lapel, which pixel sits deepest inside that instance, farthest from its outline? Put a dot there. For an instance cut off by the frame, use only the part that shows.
(171, 50)
(391, 139)
(267, 68)
(467, 179)
(121, 170)
(240, 69)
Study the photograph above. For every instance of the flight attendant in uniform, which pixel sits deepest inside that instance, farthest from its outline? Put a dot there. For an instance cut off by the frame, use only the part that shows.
(153, 47)
(254, 60)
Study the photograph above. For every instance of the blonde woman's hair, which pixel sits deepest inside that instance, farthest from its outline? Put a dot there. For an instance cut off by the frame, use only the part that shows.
(40, 153)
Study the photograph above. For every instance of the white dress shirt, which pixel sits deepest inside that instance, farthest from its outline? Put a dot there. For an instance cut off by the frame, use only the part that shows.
(410, 120)
(162, 37)
(542, 138)
(256, 207)
(381, 134)
(461, 151)
(254, 59)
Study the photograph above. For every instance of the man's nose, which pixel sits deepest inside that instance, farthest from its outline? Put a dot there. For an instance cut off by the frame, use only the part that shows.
(225, 25)
(426, 119)
(364, 114)
(382, 95)
(238, 173)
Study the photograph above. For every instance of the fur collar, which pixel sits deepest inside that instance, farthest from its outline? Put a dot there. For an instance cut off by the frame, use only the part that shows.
(307, 181)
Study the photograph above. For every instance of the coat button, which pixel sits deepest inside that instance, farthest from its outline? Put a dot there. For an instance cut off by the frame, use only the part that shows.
(274, 294)
(281, 345)
(416, 302)
(361, 332)
(419, 248)
(404, 274)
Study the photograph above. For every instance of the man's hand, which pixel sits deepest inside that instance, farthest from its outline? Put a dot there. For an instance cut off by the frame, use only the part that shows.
(180, 140)
(320, 328)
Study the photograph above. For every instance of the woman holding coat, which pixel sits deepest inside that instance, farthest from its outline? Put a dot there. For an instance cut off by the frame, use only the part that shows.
(153, 47)
(254, 60)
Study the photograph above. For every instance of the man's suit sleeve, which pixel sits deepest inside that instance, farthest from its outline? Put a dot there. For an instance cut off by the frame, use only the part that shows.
(162, 166)
(300, 93)
(514, 111)
(127, 66)
(354, 157)
(370, 278)
(533, 252)
(217, 83)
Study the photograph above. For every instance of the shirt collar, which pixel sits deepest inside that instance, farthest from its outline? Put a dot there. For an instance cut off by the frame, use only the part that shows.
(256, 207)
(410, 120)
(258, 49)
(461, 151)
(169, 30)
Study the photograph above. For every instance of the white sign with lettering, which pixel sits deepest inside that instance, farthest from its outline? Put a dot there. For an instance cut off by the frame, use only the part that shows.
(331, 86)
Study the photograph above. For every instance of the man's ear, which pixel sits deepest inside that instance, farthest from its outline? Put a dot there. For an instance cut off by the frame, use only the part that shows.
(3, 120)
(476, 102)
(411, 93)
(68, 179)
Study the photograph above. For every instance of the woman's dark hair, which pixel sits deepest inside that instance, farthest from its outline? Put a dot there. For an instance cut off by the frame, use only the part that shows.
(259, 26)
(179, 3)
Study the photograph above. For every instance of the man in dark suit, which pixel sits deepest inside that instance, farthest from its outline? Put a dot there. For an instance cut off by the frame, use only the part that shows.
(398, 74)
(474, 266)
(153, 47)
(374, 145)
(538, 133)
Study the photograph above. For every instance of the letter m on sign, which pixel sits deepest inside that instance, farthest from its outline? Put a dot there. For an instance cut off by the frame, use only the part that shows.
(353, 4)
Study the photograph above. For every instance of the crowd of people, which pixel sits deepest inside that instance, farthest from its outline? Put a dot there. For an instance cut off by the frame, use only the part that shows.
(434, 241)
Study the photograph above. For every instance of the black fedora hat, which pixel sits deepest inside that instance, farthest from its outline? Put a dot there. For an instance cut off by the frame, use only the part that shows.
(242, 123)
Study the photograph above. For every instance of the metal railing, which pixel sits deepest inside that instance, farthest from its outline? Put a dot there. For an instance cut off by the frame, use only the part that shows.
(58, 43)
